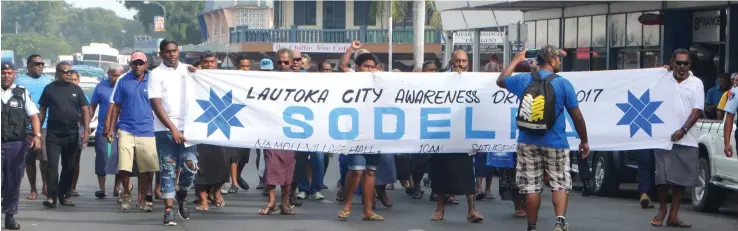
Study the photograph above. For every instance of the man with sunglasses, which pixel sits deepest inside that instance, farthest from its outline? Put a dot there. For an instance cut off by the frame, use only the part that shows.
(66, 103)
(35, 81)
(678, 168)
(297, 65)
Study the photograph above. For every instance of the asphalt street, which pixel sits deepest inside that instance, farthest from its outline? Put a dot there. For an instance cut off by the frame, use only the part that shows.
(240, 213)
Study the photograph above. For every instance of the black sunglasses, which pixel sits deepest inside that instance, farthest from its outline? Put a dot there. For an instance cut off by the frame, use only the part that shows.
(138, 62)
(681, 63)
(283, 62)
(64, 72)
(297, 59)
(38, 63)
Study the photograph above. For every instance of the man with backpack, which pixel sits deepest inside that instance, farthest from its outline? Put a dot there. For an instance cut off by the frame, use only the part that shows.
(542, 141)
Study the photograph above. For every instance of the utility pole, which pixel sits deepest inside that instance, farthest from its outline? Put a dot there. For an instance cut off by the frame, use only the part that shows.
(389, 54)
(419, 32)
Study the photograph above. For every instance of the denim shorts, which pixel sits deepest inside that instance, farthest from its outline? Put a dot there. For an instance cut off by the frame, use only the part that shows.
(360, 162)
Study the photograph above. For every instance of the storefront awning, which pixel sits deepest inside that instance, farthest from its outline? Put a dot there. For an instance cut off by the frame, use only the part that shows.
(508, 5)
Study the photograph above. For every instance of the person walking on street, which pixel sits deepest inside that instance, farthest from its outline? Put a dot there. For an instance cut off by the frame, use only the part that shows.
(135, 129)
(35, 81)
(678, 168)
(167, 95)
(66, 103)
(105, 152)
(18, 111)
(544, 150)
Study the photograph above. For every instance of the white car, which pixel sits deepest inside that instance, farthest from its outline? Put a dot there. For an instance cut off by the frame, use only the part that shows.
(718, 174)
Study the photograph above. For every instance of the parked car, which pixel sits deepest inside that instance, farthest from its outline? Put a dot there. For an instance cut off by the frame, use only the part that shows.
(718, 173)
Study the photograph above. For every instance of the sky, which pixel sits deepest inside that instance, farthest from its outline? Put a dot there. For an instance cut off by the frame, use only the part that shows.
(113, 5)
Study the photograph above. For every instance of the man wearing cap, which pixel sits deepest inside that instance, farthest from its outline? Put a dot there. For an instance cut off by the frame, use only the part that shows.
(66, 103)
(724, 98)
(553, 145)
(35, 81)
(18, 111)
(266, 64)
(131, 108)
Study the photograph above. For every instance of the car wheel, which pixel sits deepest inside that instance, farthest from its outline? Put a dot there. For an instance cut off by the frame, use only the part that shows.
(605, 178)
(705, 196)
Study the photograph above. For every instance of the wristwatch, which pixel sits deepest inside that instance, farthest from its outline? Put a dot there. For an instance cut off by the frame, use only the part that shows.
(685, 130)
(38, 135)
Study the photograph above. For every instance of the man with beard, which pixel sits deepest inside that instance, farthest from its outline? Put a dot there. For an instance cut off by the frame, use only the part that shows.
(678, 168)
(66, 103)
(106, 153)
(35, 81)
(167, 95)
(547, 152)
(18, 111)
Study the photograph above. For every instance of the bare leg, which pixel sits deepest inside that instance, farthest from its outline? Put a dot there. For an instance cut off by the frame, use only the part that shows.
(43, 165)
(234, 174)
(663, 191)
(286, 189)
(31, 172)
(534, 203)
(560, 201)
(352, 182)
(440, 207)
(75, 178)
(101, 182)
(677, 193)
(367, 192)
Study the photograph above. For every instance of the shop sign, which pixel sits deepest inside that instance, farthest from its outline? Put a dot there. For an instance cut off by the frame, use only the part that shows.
(487, 48)
(485, 37)
(313, 47)
(706, 26)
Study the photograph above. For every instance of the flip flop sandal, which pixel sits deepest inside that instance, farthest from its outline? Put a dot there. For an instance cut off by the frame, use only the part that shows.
(67, 202)
(117, 193)
(201, 208)
(233, 189)
(101, 195)
(678, 224)
(374, 217)
(658, 221)
(74, 193)
(489, 196)
(268, 210)
(286, 212)
(480, 196)
(520, 214)
(390, 187)
(475, 218)
(437, 217)
(343, 216)
(32, 196)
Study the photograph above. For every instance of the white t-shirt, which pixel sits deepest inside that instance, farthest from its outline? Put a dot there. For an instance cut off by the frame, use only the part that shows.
(168, 84)
(692, 96)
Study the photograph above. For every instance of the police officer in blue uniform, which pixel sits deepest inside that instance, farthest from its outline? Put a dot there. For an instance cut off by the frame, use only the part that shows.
(18, 110)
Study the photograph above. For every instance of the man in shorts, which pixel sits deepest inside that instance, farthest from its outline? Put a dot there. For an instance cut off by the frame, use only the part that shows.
(135, 129)
(548, 152)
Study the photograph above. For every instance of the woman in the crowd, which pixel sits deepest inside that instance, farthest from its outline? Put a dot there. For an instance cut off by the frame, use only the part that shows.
(509, 190)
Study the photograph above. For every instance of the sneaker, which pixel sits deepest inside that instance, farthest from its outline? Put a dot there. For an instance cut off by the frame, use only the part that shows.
(169, 218)
(11, 224)
(561, 227)
(301, 195)
(646, 201)
(184, 210)
(125, 203)
(317, 196)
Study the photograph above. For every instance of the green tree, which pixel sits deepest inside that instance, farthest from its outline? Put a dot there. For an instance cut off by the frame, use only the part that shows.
(33, 16)
(24, 44)
(181, 18)
(380, 10)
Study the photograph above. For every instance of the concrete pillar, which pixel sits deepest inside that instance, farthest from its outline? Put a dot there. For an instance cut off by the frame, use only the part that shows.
(419, 32)
(475, 50)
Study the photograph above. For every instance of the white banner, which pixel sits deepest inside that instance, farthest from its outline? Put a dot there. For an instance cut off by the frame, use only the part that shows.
(390, 112)
(313, 47)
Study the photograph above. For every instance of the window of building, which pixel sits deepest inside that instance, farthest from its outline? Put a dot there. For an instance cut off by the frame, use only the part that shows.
(616, 29)
(554, 32)
(570, 33)
(585, 32)
(304, 13)
(633, 30)
(278, 14)
(531, 35)
(541, 33)
(652, 34)
(599, 27)
(362, 15)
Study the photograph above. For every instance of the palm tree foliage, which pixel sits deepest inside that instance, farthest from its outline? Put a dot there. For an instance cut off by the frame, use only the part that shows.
(380, 10)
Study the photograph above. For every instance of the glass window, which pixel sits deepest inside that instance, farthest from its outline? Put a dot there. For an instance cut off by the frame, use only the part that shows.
(531, 37)
(554, 30)
(541, 33)
(652, 34)
(304, 12)
(570, 33)
(616, 29)
(651, 59)
(629, 60)
(362, 16)
(634, 30)
(581, 59)
(599, 25)
(585, 32)
(599, 59)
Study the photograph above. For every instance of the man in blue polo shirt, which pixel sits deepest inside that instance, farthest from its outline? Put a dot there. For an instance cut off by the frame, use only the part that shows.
(105, 152)
(35, 82)
(135, 129)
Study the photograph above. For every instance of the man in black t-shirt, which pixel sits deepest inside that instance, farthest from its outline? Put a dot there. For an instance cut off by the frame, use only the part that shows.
(66, 103)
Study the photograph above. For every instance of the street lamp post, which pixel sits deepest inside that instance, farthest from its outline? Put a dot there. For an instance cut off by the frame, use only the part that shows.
(164, 10)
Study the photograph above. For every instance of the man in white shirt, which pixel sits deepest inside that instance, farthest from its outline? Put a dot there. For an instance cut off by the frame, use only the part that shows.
(167, 94)
(18, 110)
(678, 168)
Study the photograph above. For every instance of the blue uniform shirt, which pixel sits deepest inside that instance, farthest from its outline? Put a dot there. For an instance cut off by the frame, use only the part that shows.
(101, 97)
(713, 95)
(565, 98)
(35, 87)
(136, 116)
(732, 105)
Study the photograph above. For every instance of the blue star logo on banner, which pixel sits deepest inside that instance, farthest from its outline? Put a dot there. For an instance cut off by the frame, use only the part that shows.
(220, 113)
(640, 113)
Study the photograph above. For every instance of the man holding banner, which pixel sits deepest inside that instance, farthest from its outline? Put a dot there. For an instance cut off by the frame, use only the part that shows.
(548, 151)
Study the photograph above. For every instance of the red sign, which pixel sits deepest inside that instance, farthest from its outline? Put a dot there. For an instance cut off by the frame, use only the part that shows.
(313, 47)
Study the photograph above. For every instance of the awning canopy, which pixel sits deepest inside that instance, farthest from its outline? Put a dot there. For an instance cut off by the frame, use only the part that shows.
(522, 5)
